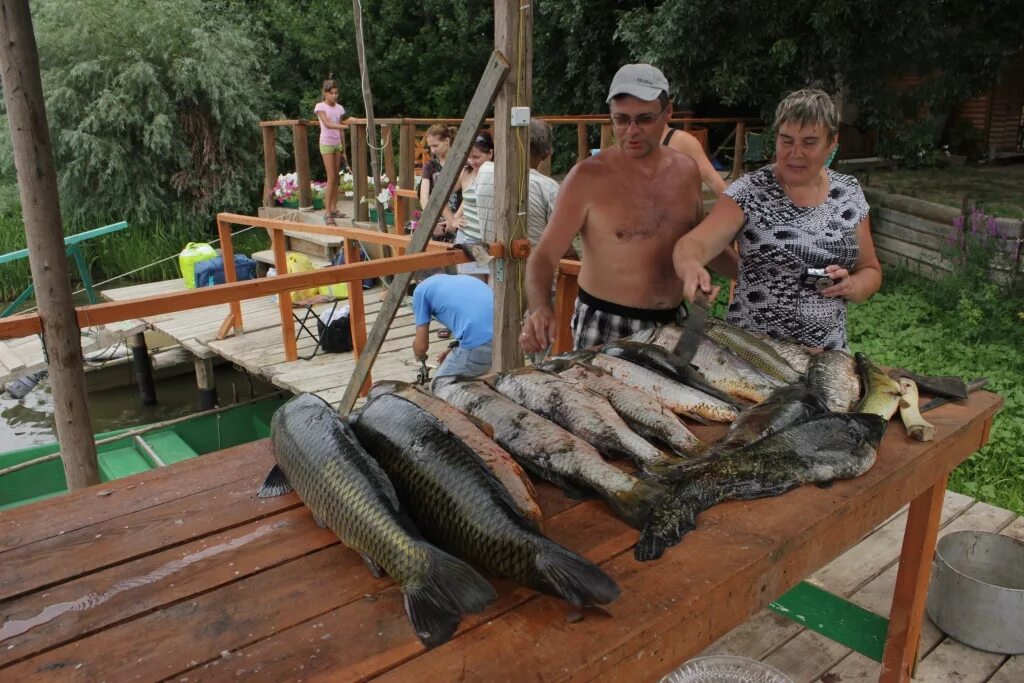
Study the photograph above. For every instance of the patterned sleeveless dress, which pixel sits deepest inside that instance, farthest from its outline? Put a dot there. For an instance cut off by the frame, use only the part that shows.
(777, 242)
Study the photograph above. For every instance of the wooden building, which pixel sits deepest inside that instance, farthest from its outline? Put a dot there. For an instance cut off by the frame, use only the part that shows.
(998, 115)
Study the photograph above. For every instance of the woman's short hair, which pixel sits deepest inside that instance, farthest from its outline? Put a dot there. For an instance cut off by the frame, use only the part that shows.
(808, 107)
(330, 84)
(441, 131)
(483, 141)
(540, 139)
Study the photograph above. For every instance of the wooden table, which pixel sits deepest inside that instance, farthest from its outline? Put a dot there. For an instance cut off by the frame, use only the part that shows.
(182, 573)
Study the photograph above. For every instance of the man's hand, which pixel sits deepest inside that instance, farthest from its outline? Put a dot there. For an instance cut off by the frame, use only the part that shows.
(444, 354)
(539, 331)
(694, 277)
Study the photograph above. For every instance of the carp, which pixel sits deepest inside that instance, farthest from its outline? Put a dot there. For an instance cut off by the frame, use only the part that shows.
(752, 348)
(497, 459)
(459, 504)
(585, 414)
(820, 450)
(881, 392)
(786, 406)
(832, 375)
(551, 453)
(348, 492)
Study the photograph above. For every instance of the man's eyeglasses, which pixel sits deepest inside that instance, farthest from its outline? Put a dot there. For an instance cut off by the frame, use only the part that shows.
(642, 120)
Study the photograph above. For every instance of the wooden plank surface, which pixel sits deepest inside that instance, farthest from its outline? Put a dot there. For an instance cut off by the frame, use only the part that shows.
(153, 590)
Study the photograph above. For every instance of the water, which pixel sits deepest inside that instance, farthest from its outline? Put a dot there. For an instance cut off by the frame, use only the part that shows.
(29, 421)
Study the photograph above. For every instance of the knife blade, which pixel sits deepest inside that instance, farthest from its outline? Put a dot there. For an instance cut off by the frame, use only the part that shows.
(693, 328)
(972, 386)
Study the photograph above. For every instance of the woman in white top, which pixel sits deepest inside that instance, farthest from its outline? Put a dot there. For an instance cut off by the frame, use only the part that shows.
(472, 225)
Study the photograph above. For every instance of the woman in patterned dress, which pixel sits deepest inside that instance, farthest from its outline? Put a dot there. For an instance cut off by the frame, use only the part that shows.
(788, 217)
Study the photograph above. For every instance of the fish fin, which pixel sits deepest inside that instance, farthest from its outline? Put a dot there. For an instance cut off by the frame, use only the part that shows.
(450, 588)
(695, 417)
(482, 426)
(575, 578)
(634, 506)
(276, 484)
(673, 519)
(371, 564)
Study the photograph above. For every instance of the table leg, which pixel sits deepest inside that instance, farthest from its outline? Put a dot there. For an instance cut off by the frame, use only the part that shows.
(912, 584)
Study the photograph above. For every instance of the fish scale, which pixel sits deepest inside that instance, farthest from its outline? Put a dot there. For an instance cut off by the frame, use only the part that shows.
(459, 504)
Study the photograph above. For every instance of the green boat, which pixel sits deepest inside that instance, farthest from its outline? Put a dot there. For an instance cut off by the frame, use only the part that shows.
(125, 452)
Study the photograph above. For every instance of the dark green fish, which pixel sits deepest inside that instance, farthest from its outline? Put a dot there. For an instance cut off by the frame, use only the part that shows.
(347, 491)
(460, 505)
(819, 450)
(786, 406)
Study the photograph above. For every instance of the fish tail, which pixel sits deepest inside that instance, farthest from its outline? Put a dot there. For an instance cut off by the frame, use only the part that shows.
(575, 578)
(450, 588)
(673, 519)
(634, 506)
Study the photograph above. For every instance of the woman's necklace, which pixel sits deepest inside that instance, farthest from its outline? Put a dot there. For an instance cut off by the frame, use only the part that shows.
(817, 190)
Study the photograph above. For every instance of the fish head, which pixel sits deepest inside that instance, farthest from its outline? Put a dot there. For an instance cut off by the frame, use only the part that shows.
(389, 386)
(868, 427)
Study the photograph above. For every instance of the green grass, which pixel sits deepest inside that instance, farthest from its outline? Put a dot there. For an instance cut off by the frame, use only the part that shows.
(996, 188)
(945, 328)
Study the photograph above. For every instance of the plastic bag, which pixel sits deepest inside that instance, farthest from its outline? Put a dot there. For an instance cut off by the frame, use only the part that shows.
(193, 253)
(300, 263)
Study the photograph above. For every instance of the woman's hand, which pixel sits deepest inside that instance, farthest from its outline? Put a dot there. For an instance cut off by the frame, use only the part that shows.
(842, 286)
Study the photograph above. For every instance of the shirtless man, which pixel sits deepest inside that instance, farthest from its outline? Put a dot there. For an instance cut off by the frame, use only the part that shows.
(681, 141)
(630, 203)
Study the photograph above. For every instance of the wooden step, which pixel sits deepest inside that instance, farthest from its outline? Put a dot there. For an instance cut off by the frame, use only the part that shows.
(268, 258)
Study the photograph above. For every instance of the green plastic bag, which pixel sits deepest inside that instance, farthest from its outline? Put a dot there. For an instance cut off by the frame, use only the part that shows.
(193, 253)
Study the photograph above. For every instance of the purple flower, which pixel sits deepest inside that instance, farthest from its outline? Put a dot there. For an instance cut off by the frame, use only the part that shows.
(993, 229)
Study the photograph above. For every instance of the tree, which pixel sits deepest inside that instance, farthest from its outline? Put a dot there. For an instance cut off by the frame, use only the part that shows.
(153, 112)
(753, 52)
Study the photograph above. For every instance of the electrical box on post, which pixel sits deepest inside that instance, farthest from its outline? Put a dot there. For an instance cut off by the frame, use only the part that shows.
(520, 117)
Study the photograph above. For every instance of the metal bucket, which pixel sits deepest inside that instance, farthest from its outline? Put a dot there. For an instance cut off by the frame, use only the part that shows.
(977, 590)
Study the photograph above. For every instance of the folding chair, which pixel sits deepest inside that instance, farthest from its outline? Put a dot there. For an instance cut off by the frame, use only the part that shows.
(309, 312)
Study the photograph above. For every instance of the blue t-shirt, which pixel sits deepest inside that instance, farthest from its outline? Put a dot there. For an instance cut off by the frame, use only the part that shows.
(462, 303)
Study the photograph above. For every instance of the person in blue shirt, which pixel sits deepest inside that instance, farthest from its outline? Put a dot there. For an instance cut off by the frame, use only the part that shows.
(465, 305)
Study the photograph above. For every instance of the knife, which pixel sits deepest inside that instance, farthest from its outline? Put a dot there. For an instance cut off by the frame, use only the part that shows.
(693, 328)
(972, 386)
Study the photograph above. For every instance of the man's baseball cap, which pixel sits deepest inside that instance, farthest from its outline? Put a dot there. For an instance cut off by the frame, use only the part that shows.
(642, 81)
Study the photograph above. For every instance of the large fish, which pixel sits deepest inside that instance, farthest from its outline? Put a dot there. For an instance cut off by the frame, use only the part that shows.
(460, 505)
(645, 414)
(679, 398)
(347, 491)
(753, 348)
(832, 375)
(585, 414)
(819, 450)
(797, 355)
(720, 368)
(881, 392)
(497, 459)
(786, 406)
(551, 453)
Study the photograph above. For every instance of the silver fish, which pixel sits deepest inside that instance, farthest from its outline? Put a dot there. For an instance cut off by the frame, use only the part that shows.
(832, 375)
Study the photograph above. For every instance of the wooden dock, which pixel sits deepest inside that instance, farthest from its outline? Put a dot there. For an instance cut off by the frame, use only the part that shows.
(183, 574)
(259, 351)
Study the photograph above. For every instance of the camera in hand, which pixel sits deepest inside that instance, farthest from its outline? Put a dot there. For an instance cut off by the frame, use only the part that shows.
(817, 278)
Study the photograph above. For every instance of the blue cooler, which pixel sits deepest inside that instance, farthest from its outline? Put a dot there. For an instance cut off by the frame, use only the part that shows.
(211, 272)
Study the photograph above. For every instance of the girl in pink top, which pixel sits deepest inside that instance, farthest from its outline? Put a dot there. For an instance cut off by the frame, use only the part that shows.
(332, 147)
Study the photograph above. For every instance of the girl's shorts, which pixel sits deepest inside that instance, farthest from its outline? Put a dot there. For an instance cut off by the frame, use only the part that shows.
(331, 149)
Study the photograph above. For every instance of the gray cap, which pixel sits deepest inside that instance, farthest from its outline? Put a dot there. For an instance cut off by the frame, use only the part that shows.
(642, 81)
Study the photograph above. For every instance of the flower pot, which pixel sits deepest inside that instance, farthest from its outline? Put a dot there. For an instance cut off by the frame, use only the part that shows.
(318, 202)
(292, 203)
(389, 216)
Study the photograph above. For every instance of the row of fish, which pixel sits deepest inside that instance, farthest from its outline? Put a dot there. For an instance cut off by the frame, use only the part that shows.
(422, 484)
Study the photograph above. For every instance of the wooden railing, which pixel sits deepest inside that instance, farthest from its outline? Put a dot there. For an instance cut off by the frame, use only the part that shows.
(412, 150)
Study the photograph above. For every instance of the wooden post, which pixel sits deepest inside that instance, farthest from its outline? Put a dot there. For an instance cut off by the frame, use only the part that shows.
(371, 126)
(284, 299)
(356, 309)
(512, 20)
(566, 292)
(358, 163)
(387, 135)
(491, 80)
(227, 252)
(582, 146)
(912, 578)
(143, 369)
(300, 143)
(205, 380)
(741, 140)
(606, 135)
(406, 169)
(40, 207)
(269, 164)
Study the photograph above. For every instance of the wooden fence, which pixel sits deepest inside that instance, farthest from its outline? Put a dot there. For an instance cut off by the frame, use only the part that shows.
(411, 150)
(917, 234)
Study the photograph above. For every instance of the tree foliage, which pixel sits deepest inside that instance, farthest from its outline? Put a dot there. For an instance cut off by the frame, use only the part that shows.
(753, 52)
(153, 109)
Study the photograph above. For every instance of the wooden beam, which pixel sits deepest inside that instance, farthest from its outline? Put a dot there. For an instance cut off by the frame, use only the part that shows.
(172, 302)
(361, 234)
(227, 249)
(491, 80)
(284, 301)
(582, 147)
(741, 141)
(912, 579)
(512, 21)
(48, 261)
(269, 165)
(406, 170)
(357, 311)
(565, 303)
(357, 162)
(300, 144)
